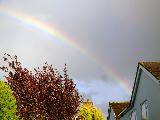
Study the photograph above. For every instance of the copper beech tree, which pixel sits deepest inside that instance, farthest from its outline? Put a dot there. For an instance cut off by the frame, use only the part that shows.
(42, 94)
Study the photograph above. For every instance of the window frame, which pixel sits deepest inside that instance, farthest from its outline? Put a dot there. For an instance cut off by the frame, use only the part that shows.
(146, 108)
(133, 111)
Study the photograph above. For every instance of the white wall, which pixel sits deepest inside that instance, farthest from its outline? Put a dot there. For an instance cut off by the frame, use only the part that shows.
(112, 115)
(148, 90)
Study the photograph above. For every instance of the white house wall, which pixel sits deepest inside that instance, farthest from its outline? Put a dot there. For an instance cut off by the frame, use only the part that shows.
(112, 115)
(148, 90)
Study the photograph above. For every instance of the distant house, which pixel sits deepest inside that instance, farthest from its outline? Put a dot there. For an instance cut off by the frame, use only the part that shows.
(115, 108)
(88, 104)
(144, 103)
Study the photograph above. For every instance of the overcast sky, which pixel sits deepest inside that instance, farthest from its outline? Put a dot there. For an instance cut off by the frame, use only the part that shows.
(118, 33)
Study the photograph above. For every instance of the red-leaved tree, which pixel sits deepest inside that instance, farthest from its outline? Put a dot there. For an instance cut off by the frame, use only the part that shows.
(43, 94)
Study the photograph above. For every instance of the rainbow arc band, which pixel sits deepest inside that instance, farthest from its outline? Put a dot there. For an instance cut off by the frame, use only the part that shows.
(61, 36)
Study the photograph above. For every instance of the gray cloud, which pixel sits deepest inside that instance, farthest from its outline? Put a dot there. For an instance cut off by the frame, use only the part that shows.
(118, 33)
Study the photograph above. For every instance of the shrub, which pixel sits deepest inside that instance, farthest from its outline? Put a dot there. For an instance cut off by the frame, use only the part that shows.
(7, 103)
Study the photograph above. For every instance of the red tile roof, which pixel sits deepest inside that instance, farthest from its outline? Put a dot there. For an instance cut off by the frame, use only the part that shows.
(153, 68)
(118, 107)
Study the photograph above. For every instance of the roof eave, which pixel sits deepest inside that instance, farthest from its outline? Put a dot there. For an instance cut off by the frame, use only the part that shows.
(134, 91)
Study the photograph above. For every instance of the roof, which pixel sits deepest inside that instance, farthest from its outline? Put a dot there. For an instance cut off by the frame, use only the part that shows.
(152, 67)
(118, 107)
(88, 104)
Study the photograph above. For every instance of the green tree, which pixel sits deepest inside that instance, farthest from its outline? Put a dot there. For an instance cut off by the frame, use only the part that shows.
(85, 113)
(97, 114)
(92, 113)
(7, 103)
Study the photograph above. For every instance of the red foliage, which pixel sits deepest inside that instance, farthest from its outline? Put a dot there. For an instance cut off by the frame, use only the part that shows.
(42, 94)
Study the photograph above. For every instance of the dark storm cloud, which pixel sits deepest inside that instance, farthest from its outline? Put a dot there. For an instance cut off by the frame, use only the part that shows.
(112, 30)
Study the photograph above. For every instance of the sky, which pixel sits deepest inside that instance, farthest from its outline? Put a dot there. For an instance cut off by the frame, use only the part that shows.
(101, 41)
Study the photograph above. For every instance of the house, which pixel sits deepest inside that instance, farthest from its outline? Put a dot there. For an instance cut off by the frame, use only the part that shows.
(115, 108)
(145, 98)
(88, 104)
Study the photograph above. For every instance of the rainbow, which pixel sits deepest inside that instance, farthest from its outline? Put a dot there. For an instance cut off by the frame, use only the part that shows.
(61, 36)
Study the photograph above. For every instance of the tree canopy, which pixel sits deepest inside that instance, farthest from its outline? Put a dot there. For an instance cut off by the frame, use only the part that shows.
(43, 94)
(8, 107)
(85, 113)
(90, 113)
(97, 114)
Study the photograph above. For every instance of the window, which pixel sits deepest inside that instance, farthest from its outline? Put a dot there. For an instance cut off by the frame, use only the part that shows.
(144, 108)
(133, 115)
